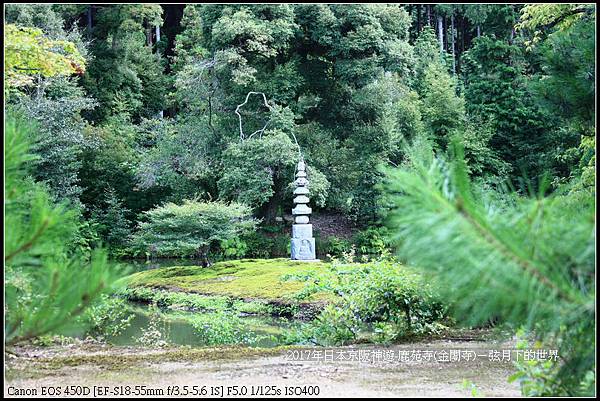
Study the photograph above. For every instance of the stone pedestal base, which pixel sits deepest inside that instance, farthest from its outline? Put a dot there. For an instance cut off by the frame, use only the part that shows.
(303, 249)
(302, 231)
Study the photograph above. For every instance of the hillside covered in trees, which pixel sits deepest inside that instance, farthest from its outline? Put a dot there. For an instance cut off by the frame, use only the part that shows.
(152, 117)
(455, 138)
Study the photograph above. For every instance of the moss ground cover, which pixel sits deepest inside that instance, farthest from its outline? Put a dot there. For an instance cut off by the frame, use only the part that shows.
(244, 279)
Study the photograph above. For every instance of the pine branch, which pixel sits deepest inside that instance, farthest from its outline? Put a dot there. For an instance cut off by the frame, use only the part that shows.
(29, 243)
(505, 249)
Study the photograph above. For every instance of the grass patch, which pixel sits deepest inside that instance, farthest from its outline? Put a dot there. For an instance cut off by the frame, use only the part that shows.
(243, 279)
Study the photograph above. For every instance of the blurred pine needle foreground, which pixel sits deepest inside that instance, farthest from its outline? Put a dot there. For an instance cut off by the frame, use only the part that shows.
(47, 281)
(524, 261)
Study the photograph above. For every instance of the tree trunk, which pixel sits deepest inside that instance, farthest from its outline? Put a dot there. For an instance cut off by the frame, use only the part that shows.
(453, 45)
(89, 22)
(161, 113)
(203, 255)
(428, 14)
(271, 208)
(463, 32)
(149, 35)
(446, 38)
(441, 34)
(478, 30)
(419, 24)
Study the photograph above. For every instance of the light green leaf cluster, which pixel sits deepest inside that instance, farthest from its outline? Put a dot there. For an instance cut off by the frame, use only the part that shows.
(29, 53)
(254, 34)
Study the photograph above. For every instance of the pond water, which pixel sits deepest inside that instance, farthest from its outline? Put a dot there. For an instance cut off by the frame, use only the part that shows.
(176, 326)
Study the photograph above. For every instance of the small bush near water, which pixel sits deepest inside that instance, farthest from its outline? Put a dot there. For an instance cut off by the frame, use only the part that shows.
(157, 331)
(387, 298)
(108, 317)
(222, 327)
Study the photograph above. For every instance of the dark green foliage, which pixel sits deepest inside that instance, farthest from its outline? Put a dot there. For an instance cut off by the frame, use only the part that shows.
(443, 111)
(60, 138)
(258, 169)
(35, 15)
(332, 246)
(189, 43)
(346, 80)
(521, 128)
(566, 79)
(264, 246)
(108, 317)
(426, 53)
(111, 163)
(482, 159)
(125, 75)
(113, 226)
(374, 242)
(563, 54)
(246, 57)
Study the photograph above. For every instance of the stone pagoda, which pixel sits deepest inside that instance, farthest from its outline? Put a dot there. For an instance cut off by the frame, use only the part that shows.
(303, 242)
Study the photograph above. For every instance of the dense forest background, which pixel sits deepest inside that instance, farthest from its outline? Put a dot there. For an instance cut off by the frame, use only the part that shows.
(151, 117)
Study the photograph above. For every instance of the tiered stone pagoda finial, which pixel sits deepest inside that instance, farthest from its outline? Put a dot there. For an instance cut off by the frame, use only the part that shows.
(303, 243)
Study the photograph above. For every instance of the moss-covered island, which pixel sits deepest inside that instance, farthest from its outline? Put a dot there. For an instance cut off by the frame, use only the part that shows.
(263, 279)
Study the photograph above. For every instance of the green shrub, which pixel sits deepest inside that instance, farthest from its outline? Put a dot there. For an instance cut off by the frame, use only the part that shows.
(156, 334)
(221, 328)
(332, 246)
(259, 246)
(233, 248)
(263, 246)
(112, 225)
(374, 241)
(192, 228)
(194, 302)
(336, 325)
(183, 300)
(390, 298)
(108, 317)
(254, 307)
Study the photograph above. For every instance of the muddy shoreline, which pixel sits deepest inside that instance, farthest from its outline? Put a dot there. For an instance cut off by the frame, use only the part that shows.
(95, 364)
